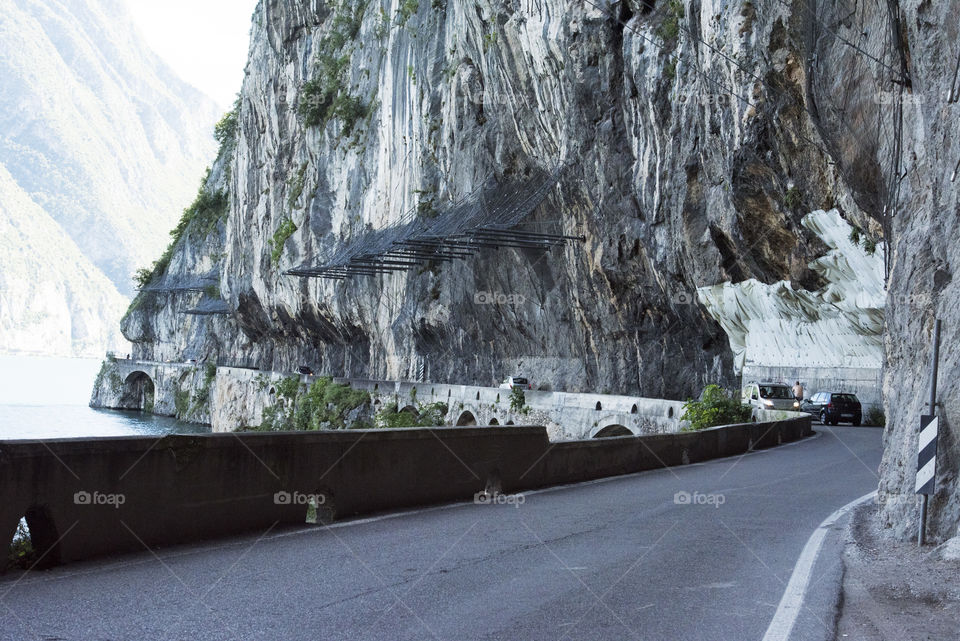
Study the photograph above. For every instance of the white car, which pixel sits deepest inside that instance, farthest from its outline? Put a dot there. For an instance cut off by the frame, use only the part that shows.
(515, 381)
(769, 396)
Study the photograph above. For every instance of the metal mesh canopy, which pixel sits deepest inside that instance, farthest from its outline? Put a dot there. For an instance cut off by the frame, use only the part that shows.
(210, 307)
(487, 218)
(184, 282)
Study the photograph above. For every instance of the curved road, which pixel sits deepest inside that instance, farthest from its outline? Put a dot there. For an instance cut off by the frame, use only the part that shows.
(622, 558)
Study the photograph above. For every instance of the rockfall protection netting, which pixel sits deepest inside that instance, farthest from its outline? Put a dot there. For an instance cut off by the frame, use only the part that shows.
(184, 283)
(487, 218)
(210, 307)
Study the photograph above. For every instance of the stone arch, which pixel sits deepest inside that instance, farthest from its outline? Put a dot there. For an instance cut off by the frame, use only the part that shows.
(466, 419)
(478, 396)
(670, 413)
(494, 421)
(510, 423)
(614, 429)
(599, 406)
(411, 410)
(139, 392)
(634, 409)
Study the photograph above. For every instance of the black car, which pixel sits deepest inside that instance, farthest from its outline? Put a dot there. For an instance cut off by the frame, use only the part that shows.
(306, 371)
(833, 407)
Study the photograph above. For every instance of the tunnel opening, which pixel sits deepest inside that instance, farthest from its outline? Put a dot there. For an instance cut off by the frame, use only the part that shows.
(494, 421)
(139, 392)
(466, 419)
(613, 430)
(34, 542)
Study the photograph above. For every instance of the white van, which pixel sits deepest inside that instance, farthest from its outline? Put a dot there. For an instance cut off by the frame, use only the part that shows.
(769, 396)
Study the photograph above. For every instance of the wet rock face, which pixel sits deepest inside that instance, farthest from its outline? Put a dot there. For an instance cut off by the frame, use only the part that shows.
(692, 144)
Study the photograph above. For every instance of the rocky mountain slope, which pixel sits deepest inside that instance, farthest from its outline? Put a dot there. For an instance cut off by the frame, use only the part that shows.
(692, 138)
(52, 299)
(106, 144)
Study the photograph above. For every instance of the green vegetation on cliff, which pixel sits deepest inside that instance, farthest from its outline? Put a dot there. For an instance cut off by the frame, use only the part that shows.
(325, 96)
(284, 231)
(324, 405)
(426, 415)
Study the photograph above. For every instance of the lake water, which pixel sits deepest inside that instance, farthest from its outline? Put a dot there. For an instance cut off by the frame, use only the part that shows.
(47, 398)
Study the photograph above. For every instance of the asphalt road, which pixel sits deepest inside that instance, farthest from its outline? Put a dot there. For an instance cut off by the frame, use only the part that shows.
(615, 559)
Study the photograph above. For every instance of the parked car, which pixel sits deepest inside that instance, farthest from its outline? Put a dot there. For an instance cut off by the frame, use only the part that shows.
(833, 407)
(769, 396)
(511, 382)
(306, 371)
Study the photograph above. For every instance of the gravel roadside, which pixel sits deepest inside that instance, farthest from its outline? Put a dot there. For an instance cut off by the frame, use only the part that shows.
(894, 591)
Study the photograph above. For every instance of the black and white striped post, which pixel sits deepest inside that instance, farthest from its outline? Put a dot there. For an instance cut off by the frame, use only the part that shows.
(927, 441)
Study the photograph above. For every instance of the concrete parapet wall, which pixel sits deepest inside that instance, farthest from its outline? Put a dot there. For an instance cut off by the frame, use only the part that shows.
(237, 397)
(566, 415)
(187, 488)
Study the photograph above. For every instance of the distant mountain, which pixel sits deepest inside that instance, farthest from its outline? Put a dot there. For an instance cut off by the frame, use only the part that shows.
(52, 298)
(101, 146)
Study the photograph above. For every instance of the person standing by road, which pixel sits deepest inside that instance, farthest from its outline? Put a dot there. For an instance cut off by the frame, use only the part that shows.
(798, 391)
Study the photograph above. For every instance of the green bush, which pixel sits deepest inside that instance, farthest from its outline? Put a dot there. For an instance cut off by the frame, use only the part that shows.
(284, 231)
(517, 399)
(855, 233)
(876, 417)
(406, 10)
(349, 110)
(715, 407)
(429, 415)
(324, 96)
(296, 185)
(324, 405)
(225, 131)
(202, 396)
(792, 198)
(181, 402)
(669, 29)
(670, 69)
(142, 277)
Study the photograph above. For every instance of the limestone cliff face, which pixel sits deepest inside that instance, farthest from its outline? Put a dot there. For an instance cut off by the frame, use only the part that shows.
(693, 138)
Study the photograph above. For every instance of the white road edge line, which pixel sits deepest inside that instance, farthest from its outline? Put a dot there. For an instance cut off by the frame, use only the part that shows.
(785, 617)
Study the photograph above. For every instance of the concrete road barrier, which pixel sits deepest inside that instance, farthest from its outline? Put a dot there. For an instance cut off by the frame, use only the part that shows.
(95, 496)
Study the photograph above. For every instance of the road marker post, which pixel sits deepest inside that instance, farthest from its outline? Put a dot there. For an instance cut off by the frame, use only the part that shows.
(927, 442)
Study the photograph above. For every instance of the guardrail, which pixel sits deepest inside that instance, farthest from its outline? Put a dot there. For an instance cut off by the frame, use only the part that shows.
(95, 496)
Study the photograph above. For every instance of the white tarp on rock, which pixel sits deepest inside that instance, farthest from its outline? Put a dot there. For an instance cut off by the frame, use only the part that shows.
(841, 325)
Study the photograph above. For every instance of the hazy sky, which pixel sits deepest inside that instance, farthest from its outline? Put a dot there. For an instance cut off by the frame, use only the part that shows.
(205, 41)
